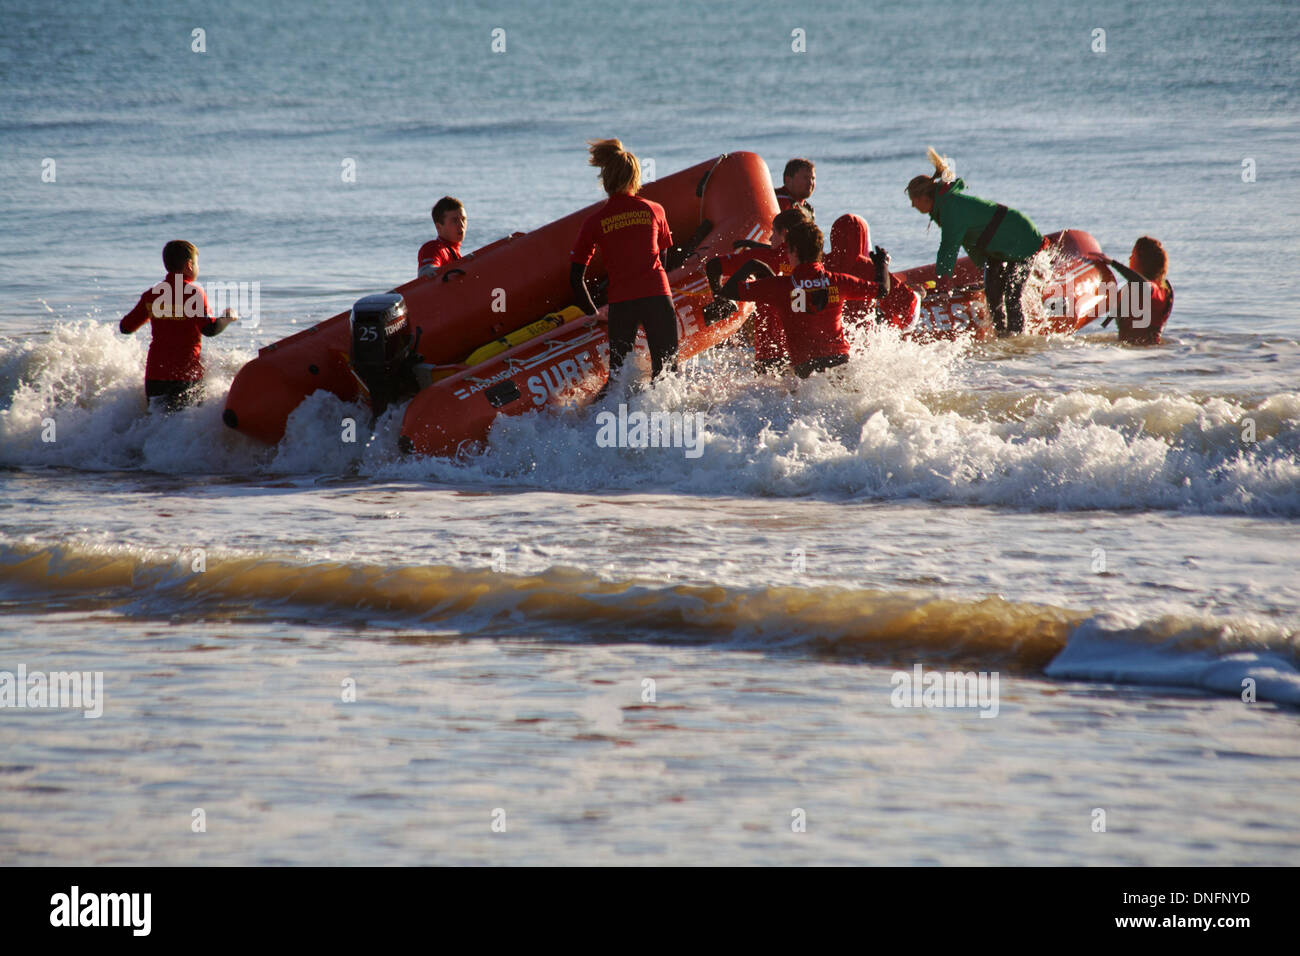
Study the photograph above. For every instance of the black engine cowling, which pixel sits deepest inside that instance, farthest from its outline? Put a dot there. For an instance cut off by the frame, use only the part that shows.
(383, 353)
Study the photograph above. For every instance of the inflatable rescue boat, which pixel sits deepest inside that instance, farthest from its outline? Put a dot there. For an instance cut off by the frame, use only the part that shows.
(495, 332)
(1074, 291)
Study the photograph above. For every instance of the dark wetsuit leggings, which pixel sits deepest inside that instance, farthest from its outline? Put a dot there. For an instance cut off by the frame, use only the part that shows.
(653, 313)
(1004, 289)
(172, 396)
(804, 369)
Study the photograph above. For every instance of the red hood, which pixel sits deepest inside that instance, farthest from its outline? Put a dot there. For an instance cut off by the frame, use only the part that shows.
(850, 240)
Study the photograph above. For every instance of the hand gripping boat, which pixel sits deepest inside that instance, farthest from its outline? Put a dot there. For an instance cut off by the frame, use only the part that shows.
(496, 300)
(1076, 291)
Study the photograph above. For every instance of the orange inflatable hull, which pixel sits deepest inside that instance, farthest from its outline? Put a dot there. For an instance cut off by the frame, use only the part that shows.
(570, 363)
(501, 288)
(1075, 293)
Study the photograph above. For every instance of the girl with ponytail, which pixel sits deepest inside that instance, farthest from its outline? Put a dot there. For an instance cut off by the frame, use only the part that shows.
(633, 237)
(927, 185)
(999, 240)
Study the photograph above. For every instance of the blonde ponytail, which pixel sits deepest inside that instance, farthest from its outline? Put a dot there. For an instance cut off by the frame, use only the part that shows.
(619, 170)
(943, 167)
(923, 185)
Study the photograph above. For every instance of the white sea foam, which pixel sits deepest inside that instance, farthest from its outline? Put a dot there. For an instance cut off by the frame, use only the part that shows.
(87, 381)
(902, 421)
(1246, 657)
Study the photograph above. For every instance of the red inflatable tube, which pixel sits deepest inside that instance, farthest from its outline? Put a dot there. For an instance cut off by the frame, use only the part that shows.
(1075, 293)
(512, 282)
(453, 416)
(503, 287)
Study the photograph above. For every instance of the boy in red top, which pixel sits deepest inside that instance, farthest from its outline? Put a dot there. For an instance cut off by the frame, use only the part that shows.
(797, 184)
(449, 218)
(769, 336)
(178, 311)
(1147, 300)
(850, 242)
(810, 300)
(633, 237)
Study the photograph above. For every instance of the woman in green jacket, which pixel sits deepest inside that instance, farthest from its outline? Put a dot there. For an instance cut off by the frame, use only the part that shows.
(999, 240)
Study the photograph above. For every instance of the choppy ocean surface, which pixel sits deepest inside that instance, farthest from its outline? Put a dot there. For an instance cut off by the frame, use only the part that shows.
(634, 656)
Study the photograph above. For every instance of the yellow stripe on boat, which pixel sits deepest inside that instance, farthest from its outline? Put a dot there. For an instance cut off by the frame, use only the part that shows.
(547, 322)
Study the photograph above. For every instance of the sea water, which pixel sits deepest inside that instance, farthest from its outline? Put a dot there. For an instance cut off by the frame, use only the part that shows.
(560, 651)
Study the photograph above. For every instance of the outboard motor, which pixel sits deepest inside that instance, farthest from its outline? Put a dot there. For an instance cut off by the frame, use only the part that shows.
(383, 355)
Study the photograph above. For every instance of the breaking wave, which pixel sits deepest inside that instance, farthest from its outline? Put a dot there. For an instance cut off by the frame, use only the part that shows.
(904, 421)
(898, 628)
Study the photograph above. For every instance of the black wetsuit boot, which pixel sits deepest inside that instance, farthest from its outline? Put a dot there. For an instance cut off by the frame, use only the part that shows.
(812, 366)
(995, 290)
(1018, 275)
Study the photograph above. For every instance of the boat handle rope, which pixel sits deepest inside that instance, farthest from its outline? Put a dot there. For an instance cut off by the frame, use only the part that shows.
(704, 183)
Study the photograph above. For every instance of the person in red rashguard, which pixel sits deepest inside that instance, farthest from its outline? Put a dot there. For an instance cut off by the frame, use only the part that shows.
(1147, 300)
(810, 299)
(768, 333)
(450, 221)
(797, 184)
(634, 240)
(850, 245)
(178, 312)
